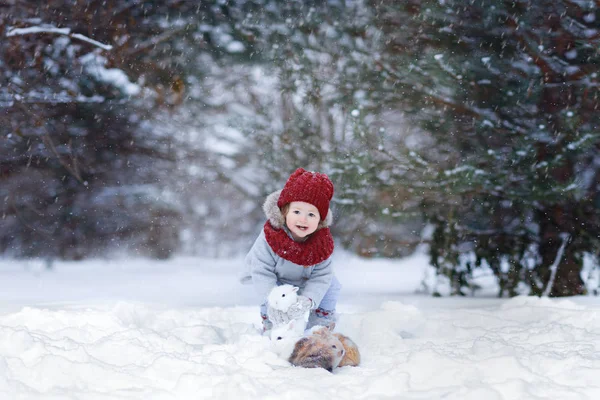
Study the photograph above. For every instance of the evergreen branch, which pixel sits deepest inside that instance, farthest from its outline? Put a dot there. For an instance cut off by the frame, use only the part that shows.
(539, 58)
(441, 101)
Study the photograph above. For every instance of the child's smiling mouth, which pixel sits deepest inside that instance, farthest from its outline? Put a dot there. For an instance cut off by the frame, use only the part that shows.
(301, 227)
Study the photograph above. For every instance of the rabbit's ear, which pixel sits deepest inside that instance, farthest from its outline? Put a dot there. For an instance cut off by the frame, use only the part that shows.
(296, 288)
(331, 326)
(291, 324)
(321, 331)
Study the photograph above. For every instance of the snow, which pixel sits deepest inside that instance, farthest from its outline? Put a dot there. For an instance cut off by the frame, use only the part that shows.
(185, 328)
(235, 47)
(94, 65)
(571, 54)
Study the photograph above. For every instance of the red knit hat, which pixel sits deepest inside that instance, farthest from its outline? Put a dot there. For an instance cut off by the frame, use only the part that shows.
(310, 187)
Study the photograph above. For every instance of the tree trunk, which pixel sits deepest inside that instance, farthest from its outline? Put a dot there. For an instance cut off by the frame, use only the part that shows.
(568, 281)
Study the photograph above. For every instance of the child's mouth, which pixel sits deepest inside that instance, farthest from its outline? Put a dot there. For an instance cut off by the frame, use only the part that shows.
(302, 228)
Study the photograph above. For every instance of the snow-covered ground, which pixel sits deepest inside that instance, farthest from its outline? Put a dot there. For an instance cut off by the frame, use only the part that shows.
(186, 329)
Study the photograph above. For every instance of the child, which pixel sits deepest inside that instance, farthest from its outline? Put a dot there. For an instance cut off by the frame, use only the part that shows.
(295, 247)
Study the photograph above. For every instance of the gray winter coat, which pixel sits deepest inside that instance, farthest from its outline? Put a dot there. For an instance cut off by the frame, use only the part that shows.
(265, 269)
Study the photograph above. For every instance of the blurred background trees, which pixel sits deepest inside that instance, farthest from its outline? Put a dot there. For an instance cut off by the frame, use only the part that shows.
(158, 127)
(83, 166)
(509, 92)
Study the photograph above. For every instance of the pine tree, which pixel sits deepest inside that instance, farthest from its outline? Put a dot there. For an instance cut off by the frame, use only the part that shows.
(509, 92)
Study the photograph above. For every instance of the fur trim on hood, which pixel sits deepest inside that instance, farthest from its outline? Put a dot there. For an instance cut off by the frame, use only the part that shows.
(277, 219)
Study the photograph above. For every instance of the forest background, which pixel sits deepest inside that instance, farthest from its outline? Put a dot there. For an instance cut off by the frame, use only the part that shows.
(154, 128)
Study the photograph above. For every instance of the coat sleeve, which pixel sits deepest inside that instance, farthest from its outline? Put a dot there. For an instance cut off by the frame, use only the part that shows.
(260, 262)
(319, 282)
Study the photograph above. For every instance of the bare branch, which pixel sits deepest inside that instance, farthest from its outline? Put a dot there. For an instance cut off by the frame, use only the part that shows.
(72, 168)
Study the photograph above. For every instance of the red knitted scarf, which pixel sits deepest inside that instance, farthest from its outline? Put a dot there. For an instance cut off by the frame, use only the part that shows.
(317, 248)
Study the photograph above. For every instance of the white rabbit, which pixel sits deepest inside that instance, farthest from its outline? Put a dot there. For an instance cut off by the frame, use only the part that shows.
(282, 297)
(284, 306)
(284, 338)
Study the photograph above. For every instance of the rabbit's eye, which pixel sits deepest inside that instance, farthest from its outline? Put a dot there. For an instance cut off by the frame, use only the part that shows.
(279, 338)
(283, 295)
(334, 346)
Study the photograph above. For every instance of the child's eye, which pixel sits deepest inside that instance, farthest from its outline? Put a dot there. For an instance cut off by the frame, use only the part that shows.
(311, 215)
(296, 212)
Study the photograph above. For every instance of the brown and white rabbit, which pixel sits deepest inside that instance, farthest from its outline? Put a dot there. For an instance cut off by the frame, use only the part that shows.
(321, 349)
(352, 355)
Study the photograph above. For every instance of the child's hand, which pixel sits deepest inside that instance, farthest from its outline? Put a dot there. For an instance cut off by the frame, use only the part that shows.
(278, 317)
(305, 302)
(300, 309)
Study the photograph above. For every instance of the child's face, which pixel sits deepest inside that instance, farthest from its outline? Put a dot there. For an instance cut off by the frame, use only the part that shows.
(302, 219)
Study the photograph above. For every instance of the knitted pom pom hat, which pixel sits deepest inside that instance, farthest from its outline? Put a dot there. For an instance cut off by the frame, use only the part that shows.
(310, 187)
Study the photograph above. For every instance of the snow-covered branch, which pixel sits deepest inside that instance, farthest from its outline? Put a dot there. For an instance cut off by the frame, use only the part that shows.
(32, 30)
(37, 29)
(92, 41)
(50, 98)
